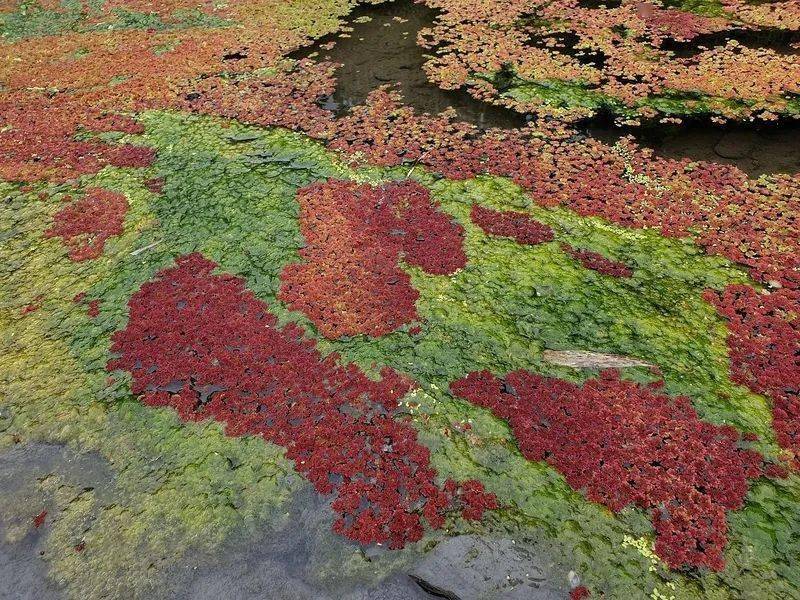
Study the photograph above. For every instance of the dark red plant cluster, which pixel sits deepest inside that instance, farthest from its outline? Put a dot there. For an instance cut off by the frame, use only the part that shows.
(94, 308)
(624, 444)
(37, 140)
(350, 282)
(384, 132)
(674, 24)
(205, 345)
(519, 226)
(84, 225)
(38, 520)
(598, 262)
(585, 175)
(579, 593)
(747, 221)
(82, 81)
(764, 346)
(35, 305)
(155, 185)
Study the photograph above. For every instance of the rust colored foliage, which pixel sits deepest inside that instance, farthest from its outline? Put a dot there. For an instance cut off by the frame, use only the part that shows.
(80, 82)
(33, 306)
(38, 520)
(598, 262)
(764, 345)
(747, 221)
(618, 56)
(579, 593)
(384, 132)
(350, 282)
(84, 225)
(205, 345)
(94, 308)
(37, 140)
(155, 185)
(625, 444)
(516, 225)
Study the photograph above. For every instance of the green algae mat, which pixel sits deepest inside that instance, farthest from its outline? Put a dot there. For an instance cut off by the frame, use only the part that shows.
(258, 340)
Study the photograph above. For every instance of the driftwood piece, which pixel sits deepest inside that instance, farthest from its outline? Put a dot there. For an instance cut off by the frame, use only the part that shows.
(582, 359)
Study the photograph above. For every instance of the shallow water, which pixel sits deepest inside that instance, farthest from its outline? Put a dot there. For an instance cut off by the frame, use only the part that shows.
(384, 50)
(381, 50)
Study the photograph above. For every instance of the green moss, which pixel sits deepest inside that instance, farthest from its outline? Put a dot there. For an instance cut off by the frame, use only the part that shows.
(577, 94)
(31, 20)
(706, 8)
(564, 94)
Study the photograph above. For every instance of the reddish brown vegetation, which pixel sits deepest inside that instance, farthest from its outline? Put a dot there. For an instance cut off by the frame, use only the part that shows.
(86, 224)
(598, 262)
(205, 345)
(288, 98)
(350, 282)
(625, 444)
(38, 520)
(516, 225)
(37, 140)
(579, 593)
(94, 308)
(764, 342)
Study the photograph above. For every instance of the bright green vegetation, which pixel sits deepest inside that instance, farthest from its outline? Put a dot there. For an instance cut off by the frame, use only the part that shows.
(576, 94)
(32, 20)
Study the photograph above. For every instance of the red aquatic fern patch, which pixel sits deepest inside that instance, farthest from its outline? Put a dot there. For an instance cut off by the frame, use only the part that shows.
(155, 185)
(625, 444)
(748, 221)
(205, 345)
(764, 345)
(579, 593)
(35, 305)
(616, 54)
(38, 139)
(86, 224)
(598, 262)
(350, 282)
(94, 308)
(523, 228)
(384, 132)
(38, 520)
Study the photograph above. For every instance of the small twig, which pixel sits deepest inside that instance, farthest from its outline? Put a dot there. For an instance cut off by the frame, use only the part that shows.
(140, 250)
(416, 162)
